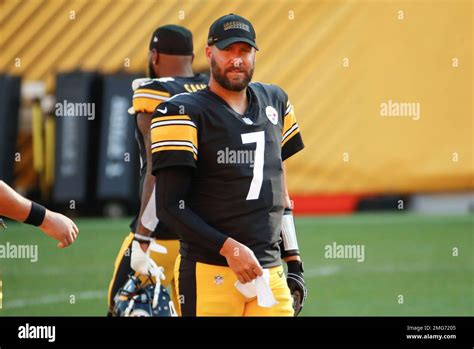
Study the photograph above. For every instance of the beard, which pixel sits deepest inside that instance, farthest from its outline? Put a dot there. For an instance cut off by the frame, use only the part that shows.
(151, 71)
(231, 85)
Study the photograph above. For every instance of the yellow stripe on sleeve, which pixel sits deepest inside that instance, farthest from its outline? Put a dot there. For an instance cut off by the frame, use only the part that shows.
(290, 136)
(175, 147)
(153, 92)
(288, 121)
(145, 105)
(174, 133)
(171, 117)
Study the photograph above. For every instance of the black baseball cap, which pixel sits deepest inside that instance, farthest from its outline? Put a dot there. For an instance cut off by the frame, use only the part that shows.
(172, 40)
(229, 29)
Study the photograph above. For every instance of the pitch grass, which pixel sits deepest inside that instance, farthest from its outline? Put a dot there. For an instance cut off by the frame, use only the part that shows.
(408, 258)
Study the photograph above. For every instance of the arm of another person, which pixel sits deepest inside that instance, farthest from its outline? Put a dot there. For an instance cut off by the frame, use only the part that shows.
(53, 224)
(143, 122)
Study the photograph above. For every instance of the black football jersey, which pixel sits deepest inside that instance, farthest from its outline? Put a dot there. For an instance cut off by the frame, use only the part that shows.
(146, 98)
(237, 184)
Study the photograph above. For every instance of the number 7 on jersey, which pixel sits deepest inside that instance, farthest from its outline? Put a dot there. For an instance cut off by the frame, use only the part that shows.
(256, 184)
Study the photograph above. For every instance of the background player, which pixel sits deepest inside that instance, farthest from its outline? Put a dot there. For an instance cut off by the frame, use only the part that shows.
(170, 70)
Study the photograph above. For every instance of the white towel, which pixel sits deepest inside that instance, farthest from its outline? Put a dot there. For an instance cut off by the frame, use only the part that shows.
(260, 288)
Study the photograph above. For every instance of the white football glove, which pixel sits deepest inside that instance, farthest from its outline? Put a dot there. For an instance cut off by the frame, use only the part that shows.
(141, 262)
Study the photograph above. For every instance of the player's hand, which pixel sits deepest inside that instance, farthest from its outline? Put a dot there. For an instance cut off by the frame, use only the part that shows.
(59, 227)
(140, 258)
(241, 260)
(296, 284)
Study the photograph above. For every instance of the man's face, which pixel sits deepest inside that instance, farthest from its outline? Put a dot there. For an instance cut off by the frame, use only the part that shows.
(233, 66)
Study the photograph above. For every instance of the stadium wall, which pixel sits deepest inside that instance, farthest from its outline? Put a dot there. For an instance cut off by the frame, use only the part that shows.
(382, 90)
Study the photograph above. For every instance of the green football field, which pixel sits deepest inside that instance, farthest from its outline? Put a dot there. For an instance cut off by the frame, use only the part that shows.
(412, 265)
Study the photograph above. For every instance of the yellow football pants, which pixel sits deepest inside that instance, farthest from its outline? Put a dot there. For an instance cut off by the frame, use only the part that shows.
(208, 290)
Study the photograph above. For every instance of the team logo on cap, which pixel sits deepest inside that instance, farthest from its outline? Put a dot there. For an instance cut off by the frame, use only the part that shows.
(236, 25)
(272, 114)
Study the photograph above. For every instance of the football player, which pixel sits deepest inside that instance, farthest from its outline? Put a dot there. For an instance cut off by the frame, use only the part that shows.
(218, 159)
(170, 72)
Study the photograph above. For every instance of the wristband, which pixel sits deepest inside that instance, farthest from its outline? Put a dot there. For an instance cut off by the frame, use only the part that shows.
(289, 244)
(37, 214)
(142, 238)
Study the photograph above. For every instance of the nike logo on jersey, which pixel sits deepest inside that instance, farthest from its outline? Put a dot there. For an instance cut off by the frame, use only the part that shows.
(163, 110)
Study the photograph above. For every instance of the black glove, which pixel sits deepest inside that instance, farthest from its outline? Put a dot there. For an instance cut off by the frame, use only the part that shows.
(295, 281)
